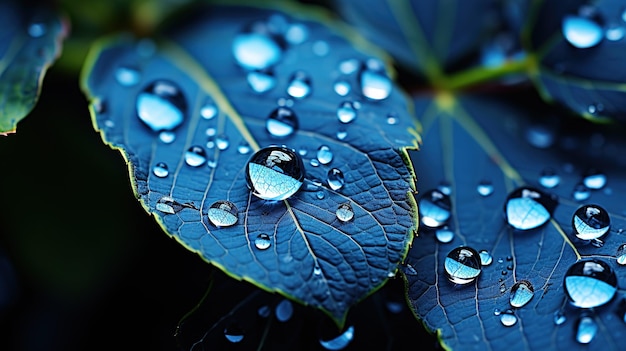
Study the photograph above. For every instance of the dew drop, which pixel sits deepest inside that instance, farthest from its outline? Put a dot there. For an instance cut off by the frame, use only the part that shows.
(195, 156)
(614, 33)
(586, 329)
(262, 241)
(521, 293)
(540, 136)
(559, 318)
(434, 208)
(222, 142)
(594, 179)
(320, 195)
(485, 257)
(296, 33)
(243, 148)
(485, 188)
(234, 333)
(375, 84)
(210, 132)
(340, 342)
(275, 173)
(324, 155)
(344, 212)
(160, 170)
(444, 235)
(581, 192)
(256, 50)
(167, 204)
(320, 48)
(282, 122)
(590, 283)
(127, 76)
(167, 137)
(261, 81)
(581, 32)
(508, 319)
(621, 255)
(392, 119)
(528, 208)
(222, 213)
(335, 179)
(341, 134)
(284, 310)
(342, 87)
(299, 85)
(161, 106)
(549, 179)
(462, 265)
(346, 112)
(37, 30)
(590, 222)
(208, 110)
(595, 108)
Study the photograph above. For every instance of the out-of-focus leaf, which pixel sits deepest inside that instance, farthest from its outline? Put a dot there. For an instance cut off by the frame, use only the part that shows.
(579, 48)
(298, 246)
(479, 150)
(30, 41)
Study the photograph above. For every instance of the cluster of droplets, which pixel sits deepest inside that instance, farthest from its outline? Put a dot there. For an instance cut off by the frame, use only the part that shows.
(588, 28)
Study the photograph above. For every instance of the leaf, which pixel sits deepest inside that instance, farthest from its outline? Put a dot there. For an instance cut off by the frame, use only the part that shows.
(586, 72)
(298, 246)
(30, 41)
(506, 143)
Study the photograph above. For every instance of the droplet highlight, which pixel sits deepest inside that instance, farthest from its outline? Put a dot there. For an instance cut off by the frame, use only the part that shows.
(620, 255)
(324, 155)
(256, 50)
(299, 85)
(346, 112)
(127, 76)
(508, 318)
(261, 81)
(586, 329)
(375, 84)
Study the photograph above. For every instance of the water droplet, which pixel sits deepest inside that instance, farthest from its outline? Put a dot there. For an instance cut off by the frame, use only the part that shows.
(262, 241)
(621, 255)
(540, 136)
(161, 106)
(195, 156)
(314, 162)
(485, 257)
(594, 179)
(595, 108)
(374, 82)
(341, 134)
(340, 342)
(581, 192)
(160, 170)
(320, 48)
(444, 235)
(210, 132)
(264, 311)
(392, 119)
(324, 155)
(282, 122)
(581, 32)
(208, 110)
(127, 76)
(284, 310)
(222, 213)
(521, 293)
(586, 329)
(508, 319)
(614, 32)
(222, 142)
(559, 318)
(256, 50)
(296, 33)
(243, 148)
(261, 81)
(549, 179)
(335, 179)
(590, 283)
(37, 30)
(485, 188)
(590, 222)
(445, 187)
(434, 208)
(496, 311)
(320, 195)
(462, 265)
(342, 87)
(234, 333)
(167, 137)
(344, 212)
(299, 85)
(317, 270)
(528, 208)
(167, 204)
(346, 112)
(275, 173)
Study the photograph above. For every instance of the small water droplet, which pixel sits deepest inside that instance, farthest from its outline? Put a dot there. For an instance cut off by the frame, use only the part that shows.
(444, 235)
(243, 148)
(324, 155)
(166, 204)
(434, 208)
(341, 341)
(209, 110)
(335, 179)
(284, 310)
(528, 208)
(342, 87)
(222, 213)
(375, 84)
(485, 188)
(262, 241)
(127, 76)
(296, 33)
(256, 49)
(590, 222)
(462, 265)
(222, 142)
(485, 257)
(581, 32)
(496, 311)
(346, 112)
(320, 195)
(161, 106)
(341, 134)
(521, 293)
(549, 179)
(614, 32)
(581, 192)
(234, 333)
(344, 212)
(595, 108)
(167, 137)
(299, 85)
(621, 255)
(508, 318)
(261, 81)
(540, 136)
(37, 30)
(195, 156)
(594, 179)
(590, 283)
(282, 122)
(160, 170)
(320, 48)
(586, 329)
(559, 318)
(275, 173)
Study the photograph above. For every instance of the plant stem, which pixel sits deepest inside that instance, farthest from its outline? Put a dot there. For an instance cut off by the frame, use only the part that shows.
(478, 75)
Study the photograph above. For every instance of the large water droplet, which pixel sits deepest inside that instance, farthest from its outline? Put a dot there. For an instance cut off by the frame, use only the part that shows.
(127, 76)
(444, 235)
(621, 255)
(586, 329)
(195, 156)
(508, 318)
(284, 310)
(528, 208)
(161, 106)
(434, 208)
(590, 283)
(261, 81)
(160, 170)
(256, 50)
(590, 222)
(581, 32)
(167, 137)
(282, 122)
(346, 112)
(344, 212)
(521, 293)
(275, 173)
(262, 241)
(594, 179)
(375, 84)
(462, 265)
(540, 136)
(549, 179)
(299, 85)
(341, 341)
(324, 155)
(222, 213)
(234, 333)
(335, 179)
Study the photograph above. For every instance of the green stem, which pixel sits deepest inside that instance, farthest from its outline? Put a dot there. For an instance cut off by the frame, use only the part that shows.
(478, 75)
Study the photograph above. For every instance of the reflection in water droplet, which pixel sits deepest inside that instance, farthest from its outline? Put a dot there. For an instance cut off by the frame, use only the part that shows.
(341, 341)
(590, 222)
(374, 82)
(209, 110)
(127, 76)
(210, 132)
(160, 170)
(37, 30)
(594, 179)
(262, 241)
(521, 293)
(256, 50)
(346, 112)
(282, 122)
(261, 81)
(590, 283)
(335, 179)
(508, 319)
(586, 329)
(581, 192)
(445, 187)
(528, 208)
(549, 179)
(161, 106)
(462, 265)
(485, 257)
(444, 235)
(284, 310)
(234, 333)
(299, 85)
(195, 156)
(485, 188)
(434, 208)
(222, 213)
(392, 118)
(559, 318)
(341, 134)
(275, 173)
(324, 155)
(342, 87)
(344, 212)
(621, 255)
(581, 32)
(320, 195)
(167, 137)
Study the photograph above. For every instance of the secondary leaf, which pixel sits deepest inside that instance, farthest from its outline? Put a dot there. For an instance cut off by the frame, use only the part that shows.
(189, 111)
(30, 41)
(477, 151)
